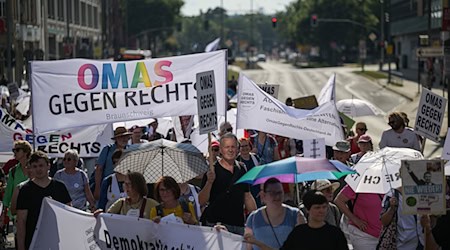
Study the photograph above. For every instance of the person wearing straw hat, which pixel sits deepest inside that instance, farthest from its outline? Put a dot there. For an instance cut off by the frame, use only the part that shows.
(327, 188)
(105, 166)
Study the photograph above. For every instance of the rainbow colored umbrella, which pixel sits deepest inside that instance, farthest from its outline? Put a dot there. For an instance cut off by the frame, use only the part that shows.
(297, 169)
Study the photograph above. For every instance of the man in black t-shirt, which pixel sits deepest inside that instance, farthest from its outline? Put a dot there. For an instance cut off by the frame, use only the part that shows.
(31, 195)
(226, 200)
(316, 234)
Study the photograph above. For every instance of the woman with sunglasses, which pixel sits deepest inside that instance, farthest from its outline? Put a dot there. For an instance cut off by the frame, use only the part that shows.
(272, 223)
(76, 181)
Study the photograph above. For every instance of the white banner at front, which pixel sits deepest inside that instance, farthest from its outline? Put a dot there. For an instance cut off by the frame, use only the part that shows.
(64, 227)
(258, 110)
(88, 141)
(79, 92)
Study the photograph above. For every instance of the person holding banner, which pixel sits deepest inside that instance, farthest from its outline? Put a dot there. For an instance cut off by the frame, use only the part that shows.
(31, 195)
(167, 192)
(136, 137)
(399, 136)
(76, 181)
(224, 199)
(136, 204)
(105, 166)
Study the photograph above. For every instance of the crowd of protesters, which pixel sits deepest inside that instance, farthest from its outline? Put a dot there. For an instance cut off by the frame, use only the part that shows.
(330, 214)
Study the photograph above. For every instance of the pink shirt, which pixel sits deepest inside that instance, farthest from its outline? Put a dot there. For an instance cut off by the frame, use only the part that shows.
(367, 208)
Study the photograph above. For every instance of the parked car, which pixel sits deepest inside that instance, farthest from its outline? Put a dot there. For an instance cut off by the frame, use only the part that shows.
(261, 57)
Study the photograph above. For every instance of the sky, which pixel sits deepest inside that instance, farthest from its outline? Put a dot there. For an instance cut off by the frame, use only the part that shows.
(192, 7)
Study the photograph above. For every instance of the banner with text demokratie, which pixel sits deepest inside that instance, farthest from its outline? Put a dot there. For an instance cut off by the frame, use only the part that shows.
(258, 110)
(79, 92)
(88, 141)
(63, 227)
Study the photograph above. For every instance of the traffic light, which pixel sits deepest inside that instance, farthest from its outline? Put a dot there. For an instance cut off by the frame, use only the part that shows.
(274, 22)
(314, 21)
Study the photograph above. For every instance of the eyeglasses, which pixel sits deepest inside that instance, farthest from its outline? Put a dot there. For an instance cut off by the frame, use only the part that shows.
(244, 146)
(229, 130)
(68, 159)
(17, 149)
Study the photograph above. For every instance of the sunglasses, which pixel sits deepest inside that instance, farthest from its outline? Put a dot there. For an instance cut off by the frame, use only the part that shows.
(68, 159)
(229, 130)
(362, 129)
(215, 149)
(16, 149)
(391, 123)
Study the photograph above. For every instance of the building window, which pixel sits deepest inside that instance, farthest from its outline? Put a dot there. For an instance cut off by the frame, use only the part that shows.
(51, 9)
(95, 17)
(89, 15)
(83, 14)
(2, 8)
(76, 9)
(61, 10)
(69, 10)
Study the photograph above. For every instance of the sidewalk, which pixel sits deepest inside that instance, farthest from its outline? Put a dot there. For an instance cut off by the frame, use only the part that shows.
(409, 90)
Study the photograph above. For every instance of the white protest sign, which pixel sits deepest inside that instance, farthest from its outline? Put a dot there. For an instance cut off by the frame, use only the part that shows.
(258, 110)
(328, 92)
(64, 227)
(206, 102)
(430, 115)
(88, 141)
(314, 148)
(79, 92)
(446, 150)
(13, 90)
(271, 89)
(423, 187)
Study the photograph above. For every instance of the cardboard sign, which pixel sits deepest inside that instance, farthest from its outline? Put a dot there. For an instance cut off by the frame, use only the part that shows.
(206, 102)
(423, 187)
(314, 148)
(271, 89)
(430, 115)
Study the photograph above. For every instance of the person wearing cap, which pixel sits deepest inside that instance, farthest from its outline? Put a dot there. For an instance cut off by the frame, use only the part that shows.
(215, 149)
(361, 129)
(399, 136)
(365, 145)
(104, 166)
(333, 216)
(341, 151)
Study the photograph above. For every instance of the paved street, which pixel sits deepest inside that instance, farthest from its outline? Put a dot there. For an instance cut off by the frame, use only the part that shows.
(302, 82)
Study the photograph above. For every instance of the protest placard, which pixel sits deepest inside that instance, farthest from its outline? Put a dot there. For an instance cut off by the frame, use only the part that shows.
(79, 92)
(88, 141)
(258, 110)
(430, 115)
(64, 227)
(206, 102)
(271, 89)
(423, 187)
(314, 148)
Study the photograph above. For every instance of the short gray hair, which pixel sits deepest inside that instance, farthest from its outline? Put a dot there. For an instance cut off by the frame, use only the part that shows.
(73, 153)
(229, 136)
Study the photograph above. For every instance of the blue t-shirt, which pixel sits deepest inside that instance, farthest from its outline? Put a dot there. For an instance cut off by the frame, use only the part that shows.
(105, 159)
(265, 151)
(263, 231)
(75, 184)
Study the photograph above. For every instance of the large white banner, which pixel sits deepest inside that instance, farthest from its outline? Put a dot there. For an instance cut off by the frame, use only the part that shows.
(64, 227)
(78, 92)
(258, 110)
(88, 141)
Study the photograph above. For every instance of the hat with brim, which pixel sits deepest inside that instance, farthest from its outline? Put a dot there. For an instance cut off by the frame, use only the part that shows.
(120, 131)
(322, 184)
(343, 146)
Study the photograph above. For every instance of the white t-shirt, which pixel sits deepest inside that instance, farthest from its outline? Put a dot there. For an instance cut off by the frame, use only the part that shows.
(406, 139)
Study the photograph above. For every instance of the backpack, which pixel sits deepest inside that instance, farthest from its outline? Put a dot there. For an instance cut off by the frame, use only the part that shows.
(351, 204)
(184, 206)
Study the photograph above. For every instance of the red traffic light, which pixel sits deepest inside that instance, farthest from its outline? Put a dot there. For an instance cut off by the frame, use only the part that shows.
(274, 19)
(314, 20)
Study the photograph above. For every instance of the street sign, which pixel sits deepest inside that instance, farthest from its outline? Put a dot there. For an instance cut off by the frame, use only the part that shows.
(430, 52)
